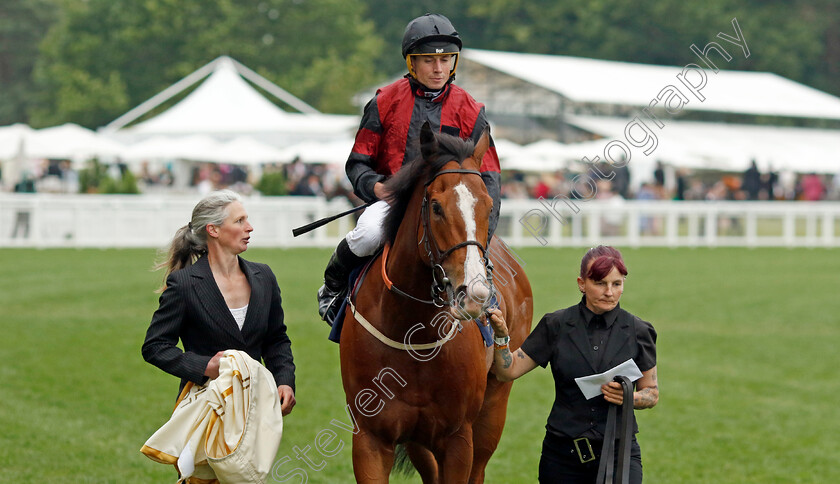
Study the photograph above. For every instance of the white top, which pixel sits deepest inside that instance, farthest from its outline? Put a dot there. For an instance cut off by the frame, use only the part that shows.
(239, 315)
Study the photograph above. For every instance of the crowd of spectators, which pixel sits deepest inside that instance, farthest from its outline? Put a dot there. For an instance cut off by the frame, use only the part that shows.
(301, 179)
(670, 183)
(51, 176)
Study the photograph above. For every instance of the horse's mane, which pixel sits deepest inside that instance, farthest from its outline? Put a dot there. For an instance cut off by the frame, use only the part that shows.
(420, 170)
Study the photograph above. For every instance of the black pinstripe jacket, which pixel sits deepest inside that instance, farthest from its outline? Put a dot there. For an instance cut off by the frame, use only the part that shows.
(193, 310)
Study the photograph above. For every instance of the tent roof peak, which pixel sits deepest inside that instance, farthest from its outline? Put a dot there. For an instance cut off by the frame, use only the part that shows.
(221, 64)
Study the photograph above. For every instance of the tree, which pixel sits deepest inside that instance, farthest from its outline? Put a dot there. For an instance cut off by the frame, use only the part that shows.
(22, 24)
(106, 56)
(102, 57)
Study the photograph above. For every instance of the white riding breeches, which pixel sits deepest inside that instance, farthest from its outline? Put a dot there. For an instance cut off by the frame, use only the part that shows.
(367, 237)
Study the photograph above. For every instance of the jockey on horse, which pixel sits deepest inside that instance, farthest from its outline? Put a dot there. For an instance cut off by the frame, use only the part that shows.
(387, 139)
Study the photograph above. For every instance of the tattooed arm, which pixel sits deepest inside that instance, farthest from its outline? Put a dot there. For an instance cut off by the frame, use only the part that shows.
(508, 365)
(645, 396)
(647, 390)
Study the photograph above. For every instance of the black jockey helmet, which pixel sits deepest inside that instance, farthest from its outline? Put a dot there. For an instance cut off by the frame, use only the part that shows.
(431, 34)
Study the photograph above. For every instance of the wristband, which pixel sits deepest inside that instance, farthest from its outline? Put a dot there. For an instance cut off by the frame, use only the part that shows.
(501, 341)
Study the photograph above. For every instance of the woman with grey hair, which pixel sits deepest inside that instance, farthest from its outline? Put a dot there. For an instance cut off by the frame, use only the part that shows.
(213, 300)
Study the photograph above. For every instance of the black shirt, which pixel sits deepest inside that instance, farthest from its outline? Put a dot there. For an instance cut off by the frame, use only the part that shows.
(567, 339)
(598, 328)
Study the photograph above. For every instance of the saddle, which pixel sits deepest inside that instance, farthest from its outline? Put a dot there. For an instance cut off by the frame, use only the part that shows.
(355, 279)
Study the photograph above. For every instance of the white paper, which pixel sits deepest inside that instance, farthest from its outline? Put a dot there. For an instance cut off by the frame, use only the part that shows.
(591, 385)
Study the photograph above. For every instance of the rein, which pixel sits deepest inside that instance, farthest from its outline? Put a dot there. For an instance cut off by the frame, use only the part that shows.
(605, 468)
(390, 285)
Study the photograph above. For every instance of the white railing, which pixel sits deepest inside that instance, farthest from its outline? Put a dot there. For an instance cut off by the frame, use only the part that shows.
(41, 220)
(44, 220)
(637, 223)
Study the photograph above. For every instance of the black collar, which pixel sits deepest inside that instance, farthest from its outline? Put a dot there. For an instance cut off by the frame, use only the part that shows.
(609, 316)
(422, 91)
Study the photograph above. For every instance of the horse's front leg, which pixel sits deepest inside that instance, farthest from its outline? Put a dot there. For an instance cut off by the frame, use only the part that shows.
(488, 427)
(372, 458)
(456, 457)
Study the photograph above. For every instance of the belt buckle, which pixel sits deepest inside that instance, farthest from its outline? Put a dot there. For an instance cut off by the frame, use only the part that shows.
(585, 455)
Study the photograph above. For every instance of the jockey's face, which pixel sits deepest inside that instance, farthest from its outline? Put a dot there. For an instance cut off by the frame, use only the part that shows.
(432, 70)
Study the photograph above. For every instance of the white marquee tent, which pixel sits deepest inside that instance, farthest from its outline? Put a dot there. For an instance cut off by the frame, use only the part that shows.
(67, 141)
(225, 106)
(22, 148)
(242, 150)
(594, 81)
(332, 152)
(512, 83)
(728, 146)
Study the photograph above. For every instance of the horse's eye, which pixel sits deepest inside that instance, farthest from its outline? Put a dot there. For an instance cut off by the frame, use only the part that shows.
(437, 209)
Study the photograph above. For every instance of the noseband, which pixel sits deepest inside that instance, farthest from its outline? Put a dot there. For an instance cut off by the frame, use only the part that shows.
(441, 285)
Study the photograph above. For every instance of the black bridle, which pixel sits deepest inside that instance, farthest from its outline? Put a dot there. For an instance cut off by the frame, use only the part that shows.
(441, 285)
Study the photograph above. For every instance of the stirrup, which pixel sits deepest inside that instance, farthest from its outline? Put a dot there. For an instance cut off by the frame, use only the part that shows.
(329, 303)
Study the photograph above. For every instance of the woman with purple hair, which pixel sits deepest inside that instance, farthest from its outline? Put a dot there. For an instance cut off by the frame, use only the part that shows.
(586, 339)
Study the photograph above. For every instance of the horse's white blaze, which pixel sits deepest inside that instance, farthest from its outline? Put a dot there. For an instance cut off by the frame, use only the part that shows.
(474, 276)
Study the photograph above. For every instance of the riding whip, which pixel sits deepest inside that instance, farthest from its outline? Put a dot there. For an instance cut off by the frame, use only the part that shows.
(314, 225)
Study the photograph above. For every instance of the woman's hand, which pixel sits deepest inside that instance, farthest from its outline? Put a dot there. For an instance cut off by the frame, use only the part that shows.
(613, 392)
(645, 396)
(287, 399)
(212, 369)
(507, 365)
(497, 321)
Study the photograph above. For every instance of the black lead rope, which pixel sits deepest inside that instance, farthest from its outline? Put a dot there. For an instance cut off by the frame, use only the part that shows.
(605, 467)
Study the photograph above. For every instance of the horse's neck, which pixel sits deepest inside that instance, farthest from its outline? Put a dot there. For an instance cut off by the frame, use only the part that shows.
(405, 267)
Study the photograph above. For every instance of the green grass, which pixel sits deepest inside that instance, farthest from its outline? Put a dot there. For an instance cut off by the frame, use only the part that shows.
(748, 351)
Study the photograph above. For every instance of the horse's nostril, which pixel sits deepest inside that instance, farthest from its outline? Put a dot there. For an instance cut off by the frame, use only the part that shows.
(466, 298)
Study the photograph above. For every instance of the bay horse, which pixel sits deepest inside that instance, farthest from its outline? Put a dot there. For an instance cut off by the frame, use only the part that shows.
(408, 330)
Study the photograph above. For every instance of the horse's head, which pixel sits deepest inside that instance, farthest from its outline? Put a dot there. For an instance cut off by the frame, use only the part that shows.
(455, 215)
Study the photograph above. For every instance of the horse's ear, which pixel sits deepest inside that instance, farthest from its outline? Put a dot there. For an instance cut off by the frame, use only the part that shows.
(482, 146)
(428, 142)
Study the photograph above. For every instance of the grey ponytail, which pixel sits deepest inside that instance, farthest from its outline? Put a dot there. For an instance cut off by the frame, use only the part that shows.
(190, 241)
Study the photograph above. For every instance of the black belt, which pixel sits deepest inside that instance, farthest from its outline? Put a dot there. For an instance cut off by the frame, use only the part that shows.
(625, 437)
(583, 447)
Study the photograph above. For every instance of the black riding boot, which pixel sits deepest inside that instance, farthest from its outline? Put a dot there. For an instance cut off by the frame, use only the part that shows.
(336, 275)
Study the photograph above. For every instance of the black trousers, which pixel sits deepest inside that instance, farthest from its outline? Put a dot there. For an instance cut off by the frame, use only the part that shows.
(560, 464)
